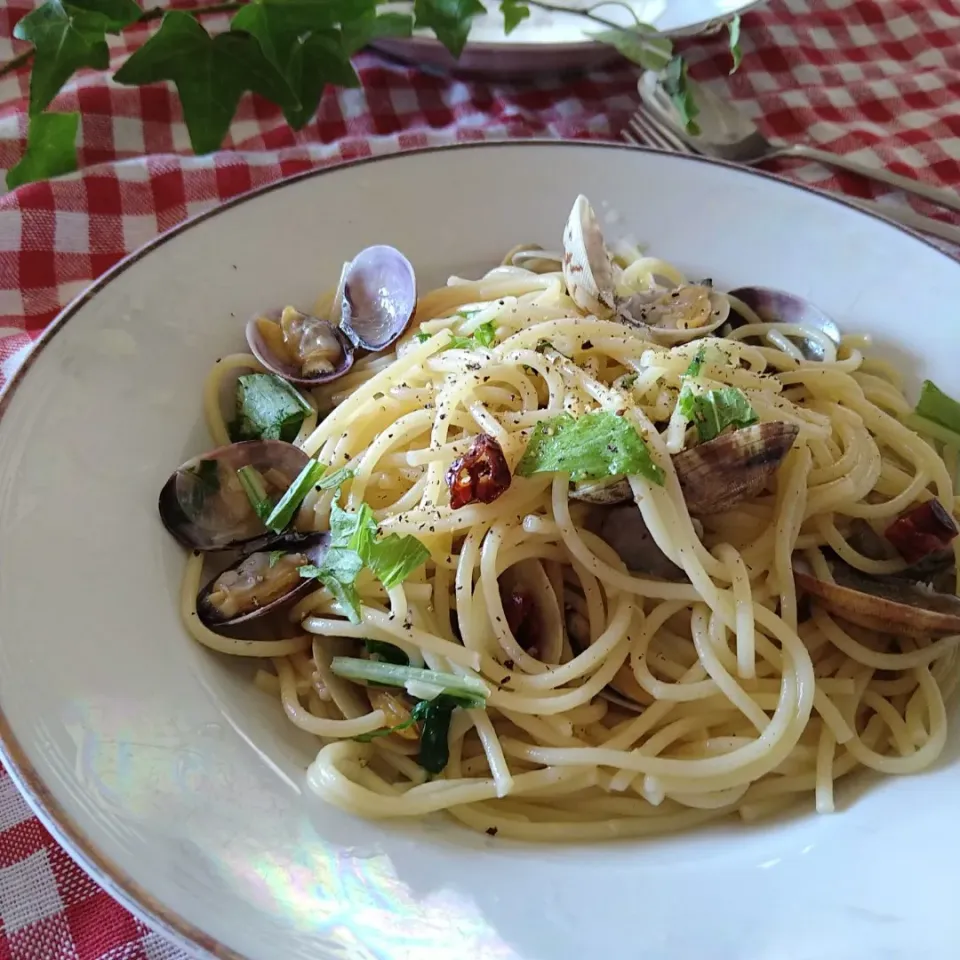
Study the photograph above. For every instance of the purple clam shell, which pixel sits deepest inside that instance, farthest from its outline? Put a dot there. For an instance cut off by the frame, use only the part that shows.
(261, 350)
(184, 495)
(379, 297)
(313, 546)
(778, 306)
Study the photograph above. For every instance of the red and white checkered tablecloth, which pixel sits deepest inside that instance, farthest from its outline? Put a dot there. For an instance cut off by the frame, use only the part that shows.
(878, 80)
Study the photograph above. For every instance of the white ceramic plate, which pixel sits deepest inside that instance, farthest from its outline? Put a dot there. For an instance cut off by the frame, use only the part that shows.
(180, 787)
(550, 41)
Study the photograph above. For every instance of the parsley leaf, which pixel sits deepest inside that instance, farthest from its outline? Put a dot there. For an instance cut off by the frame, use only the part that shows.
(336, 478)
(450, 20)
(592, 447)
(394, 558)
(640, 44)
(68, 36)
(338, 573)
(434, 719)
(514, 13)
(274, 557)
(938, 406)
(268, 408)
(677, 86)
(734, 37)
(51, 149)
(715, 410)
(485, 334)
(210, 73)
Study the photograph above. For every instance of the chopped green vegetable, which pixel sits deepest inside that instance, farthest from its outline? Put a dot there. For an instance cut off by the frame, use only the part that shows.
(336, 478)
(353, 546)
(469, 691)
(256, 491)
(282, 514)
(715, 410)
(592, 447)
(543, 345)
(394, 558)
(268, 408)
(696, 364)
(275, 556)
(386, 652)
(485, 334)
(937, 406)
(627, 380)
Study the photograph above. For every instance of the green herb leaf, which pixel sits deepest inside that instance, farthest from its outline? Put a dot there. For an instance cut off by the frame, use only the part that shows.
(387, 652)
(256, 491)
(485, 334)
(450, 20)
(274, 557)
(591, 447)
(543, 345)
(514, 13)
(627, 380)
(676, 84)
(337, 478)
(268, 408)
(469, 691)
(734, 36)
(68, 36)
(937, 406)
(338, 573)
(354, 531)
(641, 45)
(210, 73)
(715, 410)
(434, 719)
(394, 558)
(696, 364)
(281, 515)
(51, 149)
(369, 26)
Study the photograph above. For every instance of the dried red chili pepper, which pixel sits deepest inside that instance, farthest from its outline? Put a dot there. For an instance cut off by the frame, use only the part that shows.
(922, 531)
(480, 475)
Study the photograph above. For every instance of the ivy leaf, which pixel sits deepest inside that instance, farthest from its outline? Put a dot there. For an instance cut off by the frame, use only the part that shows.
(210, 73)
(359, 32)
(450, 20)
(734, 36)
(67, 37)
(641, 45)
(299, 38)
(514, 13)
(676, 84)
(51, 149)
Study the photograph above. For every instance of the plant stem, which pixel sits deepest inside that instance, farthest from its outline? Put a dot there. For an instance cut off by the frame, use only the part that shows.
(556, 8)
(154, 13)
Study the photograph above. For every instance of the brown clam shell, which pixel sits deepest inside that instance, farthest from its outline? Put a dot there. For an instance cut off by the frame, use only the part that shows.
(887, 605)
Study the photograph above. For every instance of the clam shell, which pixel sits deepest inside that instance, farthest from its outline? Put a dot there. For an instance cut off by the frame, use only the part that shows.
(602, 492)
(588, 269)
(204, 507)
(261, 349)
(530, 576)
(309, 548)
(887, 605)
(720, 473)
(379, 297)
(778, 306)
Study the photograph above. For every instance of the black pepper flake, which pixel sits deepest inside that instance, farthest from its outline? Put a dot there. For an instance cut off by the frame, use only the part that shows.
(509, 664)
(587, 345)
(491, 831)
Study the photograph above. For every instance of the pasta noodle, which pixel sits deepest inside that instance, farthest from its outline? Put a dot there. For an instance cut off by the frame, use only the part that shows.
(671, 701)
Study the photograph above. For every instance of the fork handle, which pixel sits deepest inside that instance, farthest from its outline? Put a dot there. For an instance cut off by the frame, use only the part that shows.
(909, 218)
(943, 198)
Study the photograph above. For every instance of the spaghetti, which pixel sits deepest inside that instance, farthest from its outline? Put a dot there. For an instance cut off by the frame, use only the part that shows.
(656, 703)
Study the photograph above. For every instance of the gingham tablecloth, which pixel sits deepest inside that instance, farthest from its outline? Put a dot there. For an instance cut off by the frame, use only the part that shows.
(878, 80)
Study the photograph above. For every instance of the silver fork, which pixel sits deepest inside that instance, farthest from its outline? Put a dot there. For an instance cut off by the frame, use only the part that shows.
(644, 129)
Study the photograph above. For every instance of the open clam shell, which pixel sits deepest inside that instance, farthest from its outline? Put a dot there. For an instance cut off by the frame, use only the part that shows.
(204, 505)
(298, 347)
(778, 306)
(720, 473)
(672, 317)
(261, 583)
(887, 605)
(379, 297)
(588, 269)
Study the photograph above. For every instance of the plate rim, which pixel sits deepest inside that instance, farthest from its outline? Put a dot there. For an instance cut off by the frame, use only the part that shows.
(571, 47)
(62, 827)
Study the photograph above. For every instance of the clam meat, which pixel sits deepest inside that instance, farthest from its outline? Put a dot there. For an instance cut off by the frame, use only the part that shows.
(298, 347)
